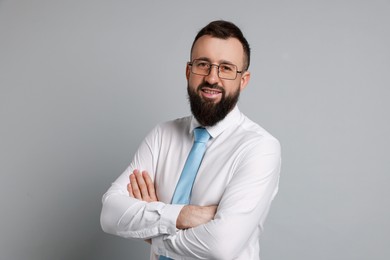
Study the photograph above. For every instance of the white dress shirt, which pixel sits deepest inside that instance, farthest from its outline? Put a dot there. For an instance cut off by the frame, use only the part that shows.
(239, 173)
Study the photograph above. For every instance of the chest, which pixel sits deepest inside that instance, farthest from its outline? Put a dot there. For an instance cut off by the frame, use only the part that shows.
(215, 172)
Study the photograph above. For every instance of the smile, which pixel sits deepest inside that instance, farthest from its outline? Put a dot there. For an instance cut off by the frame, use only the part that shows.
(211, 91)
(211, 94)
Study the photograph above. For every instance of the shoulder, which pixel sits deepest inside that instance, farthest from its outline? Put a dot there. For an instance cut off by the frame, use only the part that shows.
(174, 127)
(256, 137)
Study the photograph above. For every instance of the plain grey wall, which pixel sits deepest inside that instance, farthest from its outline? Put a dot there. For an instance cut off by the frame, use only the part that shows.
(82, 82)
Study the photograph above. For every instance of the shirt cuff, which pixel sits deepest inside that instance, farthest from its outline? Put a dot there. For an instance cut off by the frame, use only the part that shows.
(158, 245)
(159, 248)
(169, 215)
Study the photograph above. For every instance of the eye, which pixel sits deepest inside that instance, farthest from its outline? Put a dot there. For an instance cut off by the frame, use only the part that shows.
(202, 64)
(226, 67)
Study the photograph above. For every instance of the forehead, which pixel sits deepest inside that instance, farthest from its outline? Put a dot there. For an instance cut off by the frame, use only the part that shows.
(218, 50)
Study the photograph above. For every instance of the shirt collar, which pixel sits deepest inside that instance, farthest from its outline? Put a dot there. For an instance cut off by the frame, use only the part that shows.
(232, 118)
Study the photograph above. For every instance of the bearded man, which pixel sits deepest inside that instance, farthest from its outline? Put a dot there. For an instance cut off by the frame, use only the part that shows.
(200, 187)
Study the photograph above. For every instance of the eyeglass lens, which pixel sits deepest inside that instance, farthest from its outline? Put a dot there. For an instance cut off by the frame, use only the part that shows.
(225, 70)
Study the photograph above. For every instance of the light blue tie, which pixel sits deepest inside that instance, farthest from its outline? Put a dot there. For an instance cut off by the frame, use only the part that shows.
(183, 189)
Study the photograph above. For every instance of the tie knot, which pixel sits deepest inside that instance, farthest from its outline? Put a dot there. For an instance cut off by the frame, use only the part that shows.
(201, 135)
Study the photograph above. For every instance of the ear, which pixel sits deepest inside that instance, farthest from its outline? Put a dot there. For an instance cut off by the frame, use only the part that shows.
(245, 80)
(188, 71)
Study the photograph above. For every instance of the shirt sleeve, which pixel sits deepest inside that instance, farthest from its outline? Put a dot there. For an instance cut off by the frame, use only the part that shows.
(128, 217)
(241, 211)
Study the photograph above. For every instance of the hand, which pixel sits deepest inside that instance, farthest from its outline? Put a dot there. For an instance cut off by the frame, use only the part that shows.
(141, 186)
(191, 216)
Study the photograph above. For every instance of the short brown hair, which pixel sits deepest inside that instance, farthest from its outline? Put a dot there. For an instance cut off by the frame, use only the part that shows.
(223, 30)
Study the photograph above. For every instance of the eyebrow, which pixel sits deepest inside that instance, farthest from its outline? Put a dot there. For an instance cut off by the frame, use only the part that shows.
(220, 62)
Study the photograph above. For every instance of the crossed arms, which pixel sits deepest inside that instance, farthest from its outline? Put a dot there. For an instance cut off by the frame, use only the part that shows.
(201, 232)
(142, 188)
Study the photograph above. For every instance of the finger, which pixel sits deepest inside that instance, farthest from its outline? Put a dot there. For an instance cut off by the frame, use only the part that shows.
(142, 186)
(150, 186)
(130, 190)
(134, 187)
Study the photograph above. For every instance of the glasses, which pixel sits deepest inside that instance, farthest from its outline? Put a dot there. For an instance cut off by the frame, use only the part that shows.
(203, 68)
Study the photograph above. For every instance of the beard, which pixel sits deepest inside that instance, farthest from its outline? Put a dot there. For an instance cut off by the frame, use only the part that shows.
(207, 112)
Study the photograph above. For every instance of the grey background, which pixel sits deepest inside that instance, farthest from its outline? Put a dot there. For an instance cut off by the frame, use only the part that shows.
(82, 82)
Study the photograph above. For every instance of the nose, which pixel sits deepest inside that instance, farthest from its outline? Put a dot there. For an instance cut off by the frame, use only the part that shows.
(213, 77)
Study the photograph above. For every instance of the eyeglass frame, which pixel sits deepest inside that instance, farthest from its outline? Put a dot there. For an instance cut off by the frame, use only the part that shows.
(190, 63)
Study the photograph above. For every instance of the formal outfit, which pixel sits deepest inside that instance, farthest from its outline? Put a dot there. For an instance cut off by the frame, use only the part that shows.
(239, 173)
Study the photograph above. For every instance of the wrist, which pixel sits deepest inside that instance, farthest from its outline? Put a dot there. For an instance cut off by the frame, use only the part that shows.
(191, 216)
(183, 219)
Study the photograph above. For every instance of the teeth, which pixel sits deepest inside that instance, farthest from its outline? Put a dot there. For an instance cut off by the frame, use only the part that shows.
(211, 91)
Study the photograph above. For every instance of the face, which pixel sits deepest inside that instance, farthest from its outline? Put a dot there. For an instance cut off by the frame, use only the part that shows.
(212, 98)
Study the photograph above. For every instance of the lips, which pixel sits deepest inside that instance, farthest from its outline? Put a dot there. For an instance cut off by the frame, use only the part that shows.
(211, 93)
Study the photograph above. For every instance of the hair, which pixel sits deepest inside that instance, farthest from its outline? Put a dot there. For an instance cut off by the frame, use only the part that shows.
(223, 30)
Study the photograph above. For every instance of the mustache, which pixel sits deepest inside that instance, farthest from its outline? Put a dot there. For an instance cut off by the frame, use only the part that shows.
(211, 86)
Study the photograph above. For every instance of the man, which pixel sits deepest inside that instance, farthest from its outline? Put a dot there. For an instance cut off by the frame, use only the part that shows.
(226, 205)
